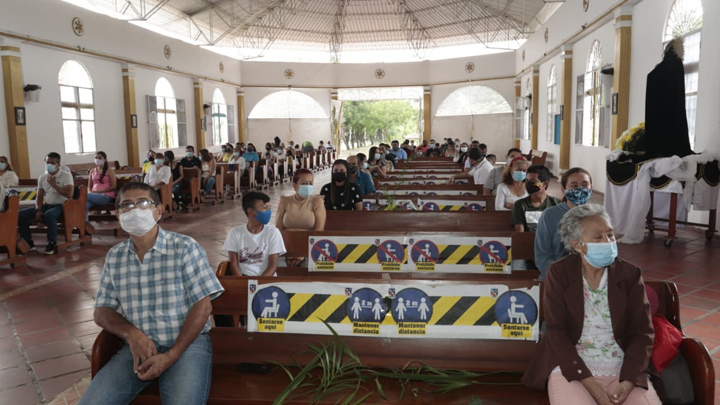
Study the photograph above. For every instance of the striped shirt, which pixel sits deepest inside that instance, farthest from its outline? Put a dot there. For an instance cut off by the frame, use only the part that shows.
(156, 295)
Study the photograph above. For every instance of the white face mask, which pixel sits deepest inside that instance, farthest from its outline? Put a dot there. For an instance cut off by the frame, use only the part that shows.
(138, 222)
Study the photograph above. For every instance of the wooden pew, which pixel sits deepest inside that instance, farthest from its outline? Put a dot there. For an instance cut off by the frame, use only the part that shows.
(84, 168)
(436, 189)
(166, 199)
(218, 196)
(231, 180)
(260, 174)
(235, 345)
(72, 221)
(451, 221)
(9, 235)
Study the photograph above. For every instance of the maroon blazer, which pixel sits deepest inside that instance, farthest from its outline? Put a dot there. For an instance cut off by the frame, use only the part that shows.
(564, 310)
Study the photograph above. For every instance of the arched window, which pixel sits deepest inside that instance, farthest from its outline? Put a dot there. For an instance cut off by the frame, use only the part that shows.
(528, 109)
(78, 108)
(552, 104)
(219, 118)
(685, 21)
(593, 102)
(473, 100)
(287, 104)
(167, 121)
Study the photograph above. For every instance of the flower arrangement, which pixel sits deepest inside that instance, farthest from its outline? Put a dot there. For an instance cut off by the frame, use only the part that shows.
(633, 140)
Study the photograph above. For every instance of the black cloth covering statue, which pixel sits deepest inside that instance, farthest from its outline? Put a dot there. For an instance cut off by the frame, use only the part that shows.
(665, 117)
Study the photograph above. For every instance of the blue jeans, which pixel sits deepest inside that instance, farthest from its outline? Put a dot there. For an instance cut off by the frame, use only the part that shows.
(51, 215)
(209, 183)
(94, 199)
(185, 382)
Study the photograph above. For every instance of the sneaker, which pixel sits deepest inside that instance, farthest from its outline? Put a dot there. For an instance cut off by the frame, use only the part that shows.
(31, 247)
(50, 248)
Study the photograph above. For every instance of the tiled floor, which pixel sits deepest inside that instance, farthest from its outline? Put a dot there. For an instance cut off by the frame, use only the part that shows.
(47, 331)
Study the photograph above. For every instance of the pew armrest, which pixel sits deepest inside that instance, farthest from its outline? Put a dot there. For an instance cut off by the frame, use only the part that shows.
(105, 347)
(701, 370)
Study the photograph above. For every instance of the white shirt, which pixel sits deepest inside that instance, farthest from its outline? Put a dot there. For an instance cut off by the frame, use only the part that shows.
(254, 249)
(8, 179)
(52, 196)
(504, 196)
(239, 161)
(481, 171)
(155, 175)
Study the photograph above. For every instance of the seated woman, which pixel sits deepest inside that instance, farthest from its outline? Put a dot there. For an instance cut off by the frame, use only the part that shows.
(377, 165)
(250, 155)
(599, 333)
(461, 154)
(102, 184)
(512, 187)
(8, 179)
(302, 210)
(237, 162)
(207, 172)
(341, 193)
(159, 173)
(450, 151)
(149, 161)
(577, 186)
(225, 154)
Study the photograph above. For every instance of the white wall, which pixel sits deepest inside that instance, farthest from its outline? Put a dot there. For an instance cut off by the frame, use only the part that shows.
(261, 131)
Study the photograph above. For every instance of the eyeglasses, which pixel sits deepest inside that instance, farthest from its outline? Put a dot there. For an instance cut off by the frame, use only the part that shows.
(143, 205)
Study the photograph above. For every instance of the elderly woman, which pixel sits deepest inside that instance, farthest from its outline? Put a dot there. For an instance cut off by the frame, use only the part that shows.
(599, 333)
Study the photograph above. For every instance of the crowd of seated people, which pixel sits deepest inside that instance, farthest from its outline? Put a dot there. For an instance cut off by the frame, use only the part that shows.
(574, 238)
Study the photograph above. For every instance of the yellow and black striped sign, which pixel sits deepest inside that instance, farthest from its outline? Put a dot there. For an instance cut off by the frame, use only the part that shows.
(28, 195)
(459, 254)
(446, 310)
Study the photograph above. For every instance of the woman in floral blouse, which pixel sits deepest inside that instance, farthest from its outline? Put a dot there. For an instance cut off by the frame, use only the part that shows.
(599, 333)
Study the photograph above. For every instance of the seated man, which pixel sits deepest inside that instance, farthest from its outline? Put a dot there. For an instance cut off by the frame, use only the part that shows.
(527, 211)
(253, 248)
(190, 160)
(496, 174)
(359, 177)
(479, 168)
(163, 283)
(399, 153)
(54, 188)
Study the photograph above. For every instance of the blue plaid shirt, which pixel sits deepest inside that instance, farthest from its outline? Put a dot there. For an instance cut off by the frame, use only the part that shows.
(157, 294)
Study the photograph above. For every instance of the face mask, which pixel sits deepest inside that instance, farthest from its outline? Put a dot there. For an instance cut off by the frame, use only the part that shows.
(352, 169)
(519, 176)
(305, 190)
(99, 162)
(137, 222)
(189, 155)
(366, 165)
(3, 165)
(224, 150)
(432, 146)
(149, 157)
(267, 148)
(159, 162)
(395, 148)
(378, 156)
(251, 149)
(463, 149)
(264, 216)
(339, 176)
(533, 187)
(601, 255)
(236, 154)
(50, 168)
(578, 196)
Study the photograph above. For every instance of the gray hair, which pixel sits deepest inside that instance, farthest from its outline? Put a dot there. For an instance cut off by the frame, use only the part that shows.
(571, 227)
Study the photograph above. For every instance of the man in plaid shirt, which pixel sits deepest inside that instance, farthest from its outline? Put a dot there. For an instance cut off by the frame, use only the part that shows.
(155, 294)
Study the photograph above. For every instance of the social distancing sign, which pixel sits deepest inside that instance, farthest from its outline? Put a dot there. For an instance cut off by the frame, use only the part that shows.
(357, 253)
(384, 204)
(389, 190)
(460, 254)
(451, 205)
(395, 310)
(411, 254)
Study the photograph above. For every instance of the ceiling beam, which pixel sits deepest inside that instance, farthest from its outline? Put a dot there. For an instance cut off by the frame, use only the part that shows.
(416, 35)
(208, 6)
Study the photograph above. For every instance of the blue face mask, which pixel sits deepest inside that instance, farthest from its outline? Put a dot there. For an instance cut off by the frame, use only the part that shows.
(519, 176)
(305, 190)
(366, 165)
(236, 154)
(264, 216)
(159, 162)
(3, 165)
(600, 255)
(50, 168)
(578, 196)
(189, 155)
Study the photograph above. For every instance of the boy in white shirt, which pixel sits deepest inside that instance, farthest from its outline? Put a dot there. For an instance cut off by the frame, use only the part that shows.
(254, 247)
